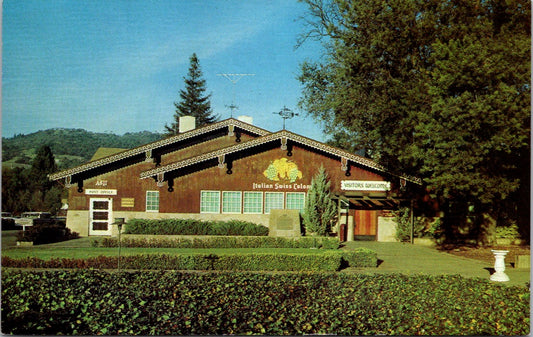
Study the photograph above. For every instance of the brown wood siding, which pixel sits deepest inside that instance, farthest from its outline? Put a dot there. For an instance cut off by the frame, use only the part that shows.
(246, 171)
(128, 184)
(249, 171)
(366, 222)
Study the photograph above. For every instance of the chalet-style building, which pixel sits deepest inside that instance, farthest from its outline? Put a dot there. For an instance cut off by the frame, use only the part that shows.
(228, 170)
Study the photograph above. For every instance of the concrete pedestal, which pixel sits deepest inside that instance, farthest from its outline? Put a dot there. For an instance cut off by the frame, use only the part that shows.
(499, 266)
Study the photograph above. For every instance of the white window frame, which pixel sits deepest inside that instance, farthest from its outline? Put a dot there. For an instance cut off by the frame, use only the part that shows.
(224, 198)
(201, 202)
(267, 210)
(158, 202)
(295, 193)
(261, 201)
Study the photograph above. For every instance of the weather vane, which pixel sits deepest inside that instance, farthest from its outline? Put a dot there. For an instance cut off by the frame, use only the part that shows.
(234, 78)
(286, 113)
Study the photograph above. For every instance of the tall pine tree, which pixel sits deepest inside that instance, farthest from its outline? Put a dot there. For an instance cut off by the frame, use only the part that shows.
(194, 102)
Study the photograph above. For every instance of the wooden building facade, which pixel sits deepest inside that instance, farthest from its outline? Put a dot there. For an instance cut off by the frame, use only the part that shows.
(227, 170)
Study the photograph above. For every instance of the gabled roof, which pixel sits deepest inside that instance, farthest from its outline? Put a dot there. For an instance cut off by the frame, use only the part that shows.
(105, 152)
(147, 148)
(281, 136)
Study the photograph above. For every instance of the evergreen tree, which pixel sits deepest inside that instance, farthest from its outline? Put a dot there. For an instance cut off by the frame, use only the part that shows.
(30, 189)
(193, 102)
(320, 209)
(435, 88)
(43, 164)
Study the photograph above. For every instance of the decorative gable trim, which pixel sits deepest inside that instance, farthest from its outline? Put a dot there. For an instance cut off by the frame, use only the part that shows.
(147, 149)
(282, 136)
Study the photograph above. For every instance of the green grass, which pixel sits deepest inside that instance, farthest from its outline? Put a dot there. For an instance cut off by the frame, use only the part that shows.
(82, 248)
(47, 253)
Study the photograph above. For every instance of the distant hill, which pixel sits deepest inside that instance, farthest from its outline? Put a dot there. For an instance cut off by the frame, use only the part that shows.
(70, 147)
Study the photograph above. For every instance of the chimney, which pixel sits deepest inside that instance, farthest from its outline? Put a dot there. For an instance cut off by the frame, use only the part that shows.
(246, 119)
(187, 123)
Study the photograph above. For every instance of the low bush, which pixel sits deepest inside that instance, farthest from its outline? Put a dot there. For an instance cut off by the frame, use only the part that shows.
(360, 258)
(320, 261)
(193, 227)
(9, 224)
(47, 233)
(90, 302)
(222, 242)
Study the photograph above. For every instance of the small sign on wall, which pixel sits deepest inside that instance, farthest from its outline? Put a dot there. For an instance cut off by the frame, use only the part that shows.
(127, 202)
(95, 191)
(365, 185)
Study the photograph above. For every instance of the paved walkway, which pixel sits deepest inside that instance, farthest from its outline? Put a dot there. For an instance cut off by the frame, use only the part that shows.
(395, 257)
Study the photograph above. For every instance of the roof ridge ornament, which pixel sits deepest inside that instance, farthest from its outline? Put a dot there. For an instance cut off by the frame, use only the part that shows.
(286, 113)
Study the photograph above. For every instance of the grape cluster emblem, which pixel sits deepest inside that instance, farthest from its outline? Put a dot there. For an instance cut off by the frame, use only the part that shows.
(283, 169)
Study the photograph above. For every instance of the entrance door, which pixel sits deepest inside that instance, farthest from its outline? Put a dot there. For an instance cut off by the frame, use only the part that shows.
(366, 223)
(100, 215)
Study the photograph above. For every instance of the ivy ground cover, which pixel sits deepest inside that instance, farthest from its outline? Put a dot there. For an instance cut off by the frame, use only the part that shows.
(91, 302)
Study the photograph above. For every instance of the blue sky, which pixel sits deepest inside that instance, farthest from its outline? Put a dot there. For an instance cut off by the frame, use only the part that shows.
(117, 66)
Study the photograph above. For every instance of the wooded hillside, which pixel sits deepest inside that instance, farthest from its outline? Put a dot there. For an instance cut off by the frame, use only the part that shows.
(70, 147)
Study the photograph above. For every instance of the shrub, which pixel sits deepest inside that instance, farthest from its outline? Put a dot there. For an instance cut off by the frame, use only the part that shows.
(360, 257)
(423, 226)
(47, 233)
(320, 261)
(223, 242)
(508, 232)
(320, 209)
(9, 224)
(89, 302)
(193, 227)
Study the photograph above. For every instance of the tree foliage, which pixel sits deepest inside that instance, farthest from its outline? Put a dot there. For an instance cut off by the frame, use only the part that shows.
(320, 210)
(438, 89)
(193, 101)
(29, 189)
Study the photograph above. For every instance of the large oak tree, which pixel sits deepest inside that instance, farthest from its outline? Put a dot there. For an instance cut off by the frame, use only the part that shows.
(439, 89)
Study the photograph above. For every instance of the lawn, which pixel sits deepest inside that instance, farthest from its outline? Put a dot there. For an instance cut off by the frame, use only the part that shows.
(82, 248)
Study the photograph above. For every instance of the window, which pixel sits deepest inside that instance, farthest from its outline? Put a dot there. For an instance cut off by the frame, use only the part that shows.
(209, 202)
(253, 202)
(231, 202)
(152, 201)
(295, 200)
(273, 200)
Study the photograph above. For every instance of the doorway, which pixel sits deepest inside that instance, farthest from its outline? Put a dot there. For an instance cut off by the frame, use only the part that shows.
(366, 224)
(100, 215)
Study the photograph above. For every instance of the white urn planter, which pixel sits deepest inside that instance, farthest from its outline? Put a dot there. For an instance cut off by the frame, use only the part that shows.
(499, 266)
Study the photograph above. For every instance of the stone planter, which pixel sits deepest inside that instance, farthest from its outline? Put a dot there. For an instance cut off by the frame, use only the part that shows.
(24, 243)
(508, 242)
(428, 242)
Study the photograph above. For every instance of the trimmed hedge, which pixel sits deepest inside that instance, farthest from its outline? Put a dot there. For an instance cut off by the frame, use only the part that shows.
(89, 302)
(193, 227)
(222, 242)
(320, 261)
